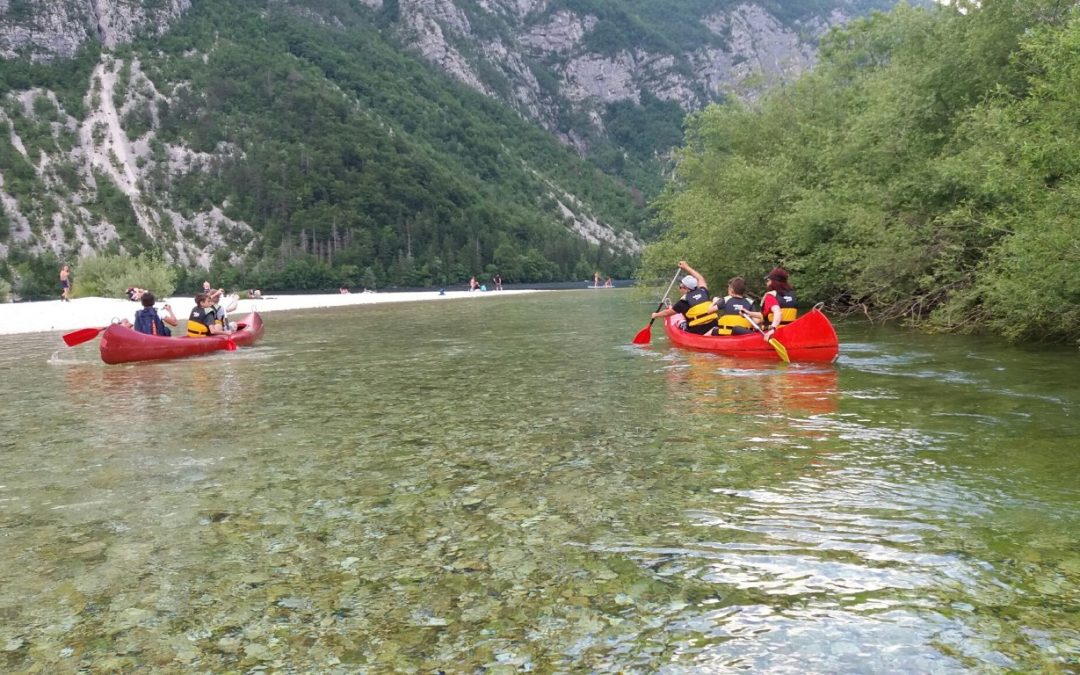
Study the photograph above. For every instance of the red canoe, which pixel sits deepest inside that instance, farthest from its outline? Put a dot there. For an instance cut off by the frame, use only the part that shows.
(809, 338)
(120, 344)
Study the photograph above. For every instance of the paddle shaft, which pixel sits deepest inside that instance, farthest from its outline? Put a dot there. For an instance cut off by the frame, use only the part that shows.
(664, 297)
(645, 334)
(781, 350)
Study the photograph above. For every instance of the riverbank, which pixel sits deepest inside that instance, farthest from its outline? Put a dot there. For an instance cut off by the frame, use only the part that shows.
(55, 315)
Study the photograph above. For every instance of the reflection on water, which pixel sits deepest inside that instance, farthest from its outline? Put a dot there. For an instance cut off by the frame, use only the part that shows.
(728, 386)
(516, 488)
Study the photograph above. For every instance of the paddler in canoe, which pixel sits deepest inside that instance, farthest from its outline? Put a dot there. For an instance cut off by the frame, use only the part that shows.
(777, 305)
(695, 304)
(148, 321)
(730, 310)
(202, 322)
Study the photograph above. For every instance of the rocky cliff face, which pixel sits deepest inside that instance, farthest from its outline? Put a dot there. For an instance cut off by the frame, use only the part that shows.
(102, 151)
(760, 52)
(44, 31)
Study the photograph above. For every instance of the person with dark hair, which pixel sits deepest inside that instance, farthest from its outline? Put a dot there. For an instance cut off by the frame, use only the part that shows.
(203, 321)
(778, 303)
(695, 303)
(731, 307)
(147, 319)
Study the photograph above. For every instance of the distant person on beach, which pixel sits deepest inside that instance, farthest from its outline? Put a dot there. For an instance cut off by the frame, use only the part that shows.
(203, 321)
(695, 304)
(497, 281)
(254, 293)
(609, 283)
(344, 291)
(65, 284)
(147, 319)
(134, 293)
(474, 285)
(596, 279)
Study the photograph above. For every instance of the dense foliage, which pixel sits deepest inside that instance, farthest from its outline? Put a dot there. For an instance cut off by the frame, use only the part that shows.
(928, 169)
(109, 276)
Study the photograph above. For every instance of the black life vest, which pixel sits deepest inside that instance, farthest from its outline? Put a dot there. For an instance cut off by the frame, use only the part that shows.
(731, 322)
(698, 317)
(788, 310)
(199, 322)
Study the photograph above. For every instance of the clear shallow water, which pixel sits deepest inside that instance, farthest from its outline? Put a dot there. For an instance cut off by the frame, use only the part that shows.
(508, 484)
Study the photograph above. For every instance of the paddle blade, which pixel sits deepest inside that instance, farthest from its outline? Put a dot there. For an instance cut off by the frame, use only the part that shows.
(644, 335)
(80, 336)
(781, 350)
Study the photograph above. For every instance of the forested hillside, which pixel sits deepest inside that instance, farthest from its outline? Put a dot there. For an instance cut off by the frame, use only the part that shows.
(928, 169)
(299, 156)
(318, 143)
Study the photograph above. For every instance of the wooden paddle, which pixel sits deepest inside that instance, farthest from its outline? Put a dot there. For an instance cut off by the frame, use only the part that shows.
(645, 334)
(82, 335)
(781, 350)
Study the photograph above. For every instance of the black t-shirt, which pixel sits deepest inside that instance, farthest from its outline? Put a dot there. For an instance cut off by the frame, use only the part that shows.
(203, 315)
(694, 297)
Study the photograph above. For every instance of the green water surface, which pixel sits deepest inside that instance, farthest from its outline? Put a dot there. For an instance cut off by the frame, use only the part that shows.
(506, 484)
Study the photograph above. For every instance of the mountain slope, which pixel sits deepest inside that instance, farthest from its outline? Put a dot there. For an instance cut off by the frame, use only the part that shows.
(320, 142)
(271, 137)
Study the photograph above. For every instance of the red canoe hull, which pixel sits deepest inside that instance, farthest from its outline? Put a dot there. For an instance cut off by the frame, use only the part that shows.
(809, 338)
(120, 344)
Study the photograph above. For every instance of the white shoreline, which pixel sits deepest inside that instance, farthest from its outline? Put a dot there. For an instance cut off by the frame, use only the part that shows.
(54, 315)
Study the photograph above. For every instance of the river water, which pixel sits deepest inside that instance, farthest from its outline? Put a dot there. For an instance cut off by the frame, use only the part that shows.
(508, 485)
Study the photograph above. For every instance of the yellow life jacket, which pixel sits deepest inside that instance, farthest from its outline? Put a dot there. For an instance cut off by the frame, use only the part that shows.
(788, 311)
(730, 319)
(197, 329)
(699, 314)
(729, 322)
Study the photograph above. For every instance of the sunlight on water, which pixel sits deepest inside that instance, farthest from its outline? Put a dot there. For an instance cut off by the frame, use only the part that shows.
(508, 485)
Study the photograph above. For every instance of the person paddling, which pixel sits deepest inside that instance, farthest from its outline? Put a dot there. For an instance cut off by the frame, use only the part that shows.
(695, 303)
